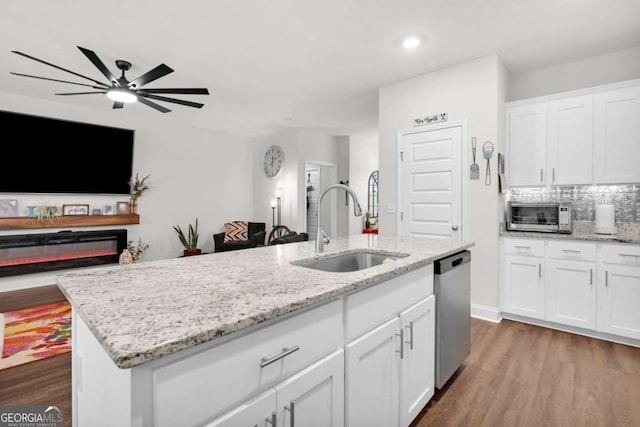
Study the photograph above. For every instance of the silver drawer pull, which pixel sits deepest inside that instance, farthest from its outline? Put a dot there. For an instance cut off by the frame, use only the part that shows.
(591, 276)
(401, 351)
(631, 255)
(410, 342)
(285, 352)
(522, 247)
(272, 420)
(291, 408)
(539, 270)
(606, 278)
(571, 250)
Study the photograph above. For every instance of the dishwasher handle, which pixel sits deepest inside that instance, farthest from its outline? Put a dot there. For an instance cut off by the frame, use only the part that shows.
(456, 260)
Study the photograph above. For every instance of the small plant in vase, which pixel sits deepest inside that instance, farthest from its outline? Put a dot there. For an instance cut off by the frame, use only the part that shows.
(189, 240)
(138, 187)
(132, 254)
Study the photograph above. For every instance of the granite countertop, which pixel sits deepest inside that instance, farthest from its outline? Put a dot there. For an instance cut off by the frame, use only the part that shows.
(141, 312)
(583, 230)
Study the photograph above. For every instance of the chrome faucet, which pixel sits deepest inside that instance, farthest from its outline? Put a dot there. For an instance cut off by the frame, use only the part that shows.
(321, 238)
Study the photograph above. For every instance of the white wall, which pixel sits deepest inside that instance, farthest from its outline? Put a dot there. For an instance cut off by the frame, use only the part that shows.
(595, 71)
(363, 160)
(194, 173)
(468, 91)
(344, 204)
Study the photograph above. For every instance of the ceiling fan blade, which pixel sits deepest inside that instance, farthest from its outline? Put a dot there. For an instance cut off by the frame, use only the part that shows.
(61, 81)
(188, 91)
(99, 65)
(153, 105)
(175, 101)
(117, 105)
(80, 93)
(160, 71)
(59, 68)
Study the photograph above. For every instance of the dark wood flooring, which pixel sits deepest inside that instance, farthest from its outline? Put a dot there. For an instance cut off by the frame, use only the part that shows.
(42, 382)
(517, 375)
(524, 375)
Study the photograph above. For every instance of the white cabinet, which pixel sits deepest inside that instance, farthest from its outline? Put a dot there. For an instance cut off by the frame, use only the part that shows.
(523, 286)
(313, 398)
(616, 131)
(570, 141)
(417, 373)
(571, 293)
(527, 139)
(619, 293)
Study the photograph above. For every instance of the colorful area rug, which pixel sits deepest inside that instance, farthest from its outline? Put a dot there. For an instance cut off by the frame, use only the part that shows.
(36, 333)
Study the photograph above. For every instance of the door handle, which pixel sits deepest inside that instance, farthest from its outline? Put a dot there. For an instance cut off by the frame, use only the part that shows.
(291, 408)
(272, 420)
(541, 178)
(539, 270)
(553, 174)
(410, 342)
(454, 227)
(401, 351)
(606, 278)
(591, 276)
(265, 361)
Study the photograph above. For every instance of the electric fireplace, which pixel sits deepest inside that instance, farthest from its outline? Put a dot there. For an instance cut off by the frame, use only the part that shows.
(37, 253)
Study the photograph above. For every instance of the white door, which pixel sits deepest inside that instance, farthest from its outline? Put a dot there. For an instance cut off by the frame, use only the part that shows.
(619, 300)
(571, 293)
(526, 145)
(257, 412)
(417, 366)
(430, 182)
(315, 396)
(524, 286)
(372, 377)
(616, 129)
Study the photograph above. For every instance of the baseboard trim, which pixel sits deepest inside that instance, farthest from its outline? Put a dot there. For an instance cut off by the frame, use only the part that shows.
(572, 329)
(483, 312)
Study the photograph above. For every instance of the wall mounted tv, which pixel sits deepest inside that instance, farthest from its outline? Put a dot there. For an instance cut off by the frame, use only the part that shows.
(59, 156)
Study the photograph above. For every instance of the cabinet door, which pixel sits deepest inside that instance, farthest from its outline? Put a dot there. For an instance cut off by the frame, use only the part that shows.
(524, 286)
(259, 412)
(619, 300)
(315, 396)
(417, 365)
(527, 139)
(570, 143)
(372, 377)
(616, 130)
(571, 293)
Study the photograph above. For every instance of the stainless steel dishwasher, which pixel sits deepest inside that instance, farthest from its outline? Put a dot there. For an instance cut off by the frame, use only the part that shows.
(452, 288)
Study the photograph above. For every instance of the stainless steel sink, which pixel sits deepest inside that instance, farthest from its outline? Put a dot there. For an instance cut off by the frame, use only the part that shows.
(352, 261)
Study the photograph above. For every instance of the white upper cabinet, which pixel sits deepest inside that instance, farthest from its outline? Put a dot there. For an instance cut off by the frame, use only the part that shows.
(527, 136)
(617, 136)
(570, 141)
(587, 137)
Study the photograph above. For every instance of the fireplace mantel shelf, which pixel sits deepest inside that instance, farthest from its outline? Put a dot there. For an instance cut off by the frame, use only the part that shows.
(19, 223)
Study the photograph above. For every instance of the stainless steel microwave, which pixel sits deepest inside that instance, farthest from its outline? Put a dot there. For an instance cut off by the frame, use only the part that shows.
(540, 217)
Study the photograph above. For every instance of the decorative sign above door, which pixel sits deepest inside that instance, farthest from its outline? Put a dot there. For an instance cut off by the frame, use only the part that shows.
(435, 118)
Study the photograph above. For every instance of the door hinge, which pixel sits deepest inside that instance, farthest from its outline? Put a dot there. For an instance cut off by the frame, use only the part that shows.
(402, 156)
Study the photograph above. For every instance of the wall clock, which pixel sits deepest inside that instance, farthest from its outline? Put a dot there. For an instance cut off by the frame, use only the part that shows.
(272, 161)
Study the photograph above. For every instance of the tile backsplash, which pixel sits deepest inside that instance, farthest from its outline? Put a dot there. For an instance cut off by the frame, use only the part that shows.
(625, 198)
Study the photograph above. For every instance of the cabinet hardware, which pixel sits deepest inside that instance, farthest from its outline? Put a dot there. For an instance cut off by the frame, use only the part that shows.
(291, 408)
(522, 247)
(591, 276)
(606, 278)
(265, 361)
(571, 250)
(631, 255)
(454, 227)
(272, 420)
(401, 351)
(553, 174)
(541, 179)
(539, 270)
(410, 342)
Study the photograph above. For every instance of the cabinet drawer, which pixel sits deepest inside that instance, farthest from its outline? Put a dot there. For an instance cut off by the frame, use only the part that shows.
(527, 247)
(621, 254)
(222, 376)
(571, 250)
(370, 307)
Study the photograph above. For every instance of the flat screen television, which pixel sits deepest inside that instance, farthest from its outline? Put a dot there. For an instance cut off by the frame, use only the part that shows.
(48, 155)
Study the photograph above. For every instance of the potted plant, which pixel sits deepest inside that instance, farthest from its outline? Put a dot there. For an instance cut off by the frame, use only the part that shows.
(138, 187)
(189, 240)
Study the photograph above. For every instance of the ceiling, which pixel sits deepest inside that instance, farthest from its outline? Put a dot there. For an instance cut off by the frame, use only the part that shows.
(270, 64)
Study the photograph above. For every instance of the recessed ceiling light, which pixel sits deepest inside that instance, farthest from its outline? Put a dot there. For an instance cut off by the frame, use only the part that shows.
(411, 43)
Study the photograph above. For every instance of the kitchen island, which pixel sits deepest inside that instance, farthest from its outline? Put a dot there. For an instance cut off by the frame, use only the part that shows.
(218, 337)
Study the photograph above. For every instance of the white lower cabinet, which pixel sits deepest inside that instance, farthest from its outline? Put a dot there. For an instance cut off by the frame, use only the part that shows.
(313, 398)
(571, 293)
(524, 286)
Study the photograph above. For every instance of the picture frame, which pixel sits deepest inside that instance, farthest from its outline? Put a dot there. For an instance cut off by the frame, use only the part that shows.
(122, 208)
(96, 211)
(74, 210)
(8, 208)
(107, 210)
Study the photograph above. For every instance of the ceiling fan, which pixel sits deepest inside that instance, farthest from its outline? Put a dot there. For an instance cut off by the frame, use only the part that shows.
(122, 90)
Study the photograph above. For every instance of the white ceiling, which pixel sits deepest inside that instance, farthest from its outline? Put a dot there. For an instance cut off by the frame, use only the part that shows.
(269, 64)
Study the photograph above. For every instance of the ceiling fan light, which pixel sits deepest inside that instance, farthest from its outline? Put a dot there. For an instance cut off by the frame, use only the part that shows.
(122, 95)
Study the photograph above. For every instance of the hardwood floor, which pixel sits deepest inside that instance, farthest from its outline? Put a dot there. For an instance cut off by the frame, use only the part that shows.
(524, 375)
(43, 382)
(517, 375)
